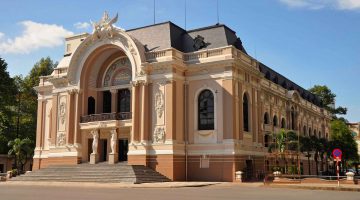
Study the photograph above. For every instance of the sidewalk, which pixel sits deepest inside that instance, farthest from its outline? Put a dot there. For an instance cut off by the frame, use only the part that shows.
(313, 186)
(111, 185)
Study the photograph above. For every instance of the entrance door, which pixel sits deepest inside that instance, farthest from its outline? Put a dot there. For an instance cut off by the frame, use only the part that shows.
(103, 150)
(123, 149)
(2, 170)
(249, 170)
(90, 141)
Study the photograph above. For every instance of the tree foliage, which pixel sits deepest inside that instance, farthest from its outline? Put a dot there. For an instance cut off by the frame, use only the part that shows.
(21, 149)
(18, 103)
(327, 98)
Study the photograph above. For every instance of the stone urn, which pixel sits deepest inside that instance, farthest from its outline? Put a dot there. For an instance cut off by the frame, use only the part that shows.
(238, 176)
(277, 175)
(350, 176)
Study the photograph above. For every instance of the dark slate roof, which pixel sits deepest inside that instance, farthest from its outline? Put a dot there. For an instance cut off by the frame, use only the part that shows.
(281, 80)
(169, 35)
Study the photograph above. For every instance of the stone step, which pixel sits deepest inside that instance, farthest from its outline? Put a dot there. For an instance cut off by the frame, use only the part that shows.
(94, 173)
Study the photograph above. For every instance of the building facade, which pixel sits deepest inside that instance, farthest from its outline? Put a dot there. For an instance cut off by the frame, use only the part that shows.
(355, 129)
(192, 105)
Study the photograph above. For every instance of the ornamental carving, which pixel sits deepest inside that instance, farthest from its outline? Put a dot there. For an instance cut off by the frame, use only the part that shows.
(159, 135)
(60, 140)
(119, 73)
(104, 28)
(62, 112)
(159, 102)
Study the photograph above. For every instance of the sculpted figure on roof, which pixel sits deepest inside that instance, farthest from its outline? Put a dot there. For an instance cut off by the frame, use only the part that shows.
(104, 27)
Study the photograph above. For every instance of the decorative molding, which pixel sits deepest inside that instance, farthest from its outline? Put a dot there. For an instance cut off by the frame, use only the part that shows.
(62, 112)
(60, 140)
(159, 135)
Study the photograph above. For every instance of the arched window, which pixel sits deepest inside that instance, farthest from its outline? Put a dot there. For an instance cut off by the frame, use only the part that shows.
(315, 134)
(123, 100)
(91, 105)
(309, 131)
(106, 102)
(246, 113)
(283, 123)
(275, 121)
(266, 118)
(292, 118)
(206, 110)
(304, 130)
(320, 136)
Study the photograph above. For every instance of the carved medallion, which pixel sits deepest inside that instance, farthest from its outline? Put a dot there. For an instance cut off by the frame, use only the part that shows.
(159, 135)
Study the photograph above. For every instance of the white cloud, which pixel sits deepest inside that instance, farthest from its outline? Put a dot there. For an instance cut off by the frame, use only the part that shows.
(34, 36)
(349, 4)
(319, 4)
(82, 25)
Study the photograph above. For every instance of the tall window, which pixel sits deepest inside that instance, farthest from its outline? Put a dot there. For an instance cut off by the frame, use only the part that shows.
(275, 121)
(283, 123)
(206, 110)
(123, 100)
(106, 102)
(292, 118)
(304, 130)
(91, 105)
(246, 113)
(266, 118)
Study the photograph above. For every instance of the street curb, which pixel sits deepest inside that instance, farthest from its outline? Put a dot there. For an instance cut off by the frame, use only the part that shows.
(111, 185)
(330, 188)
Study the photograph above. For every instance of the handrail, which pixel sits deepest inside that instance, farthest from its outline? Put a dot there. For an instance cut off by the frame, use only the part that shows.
(105, 117)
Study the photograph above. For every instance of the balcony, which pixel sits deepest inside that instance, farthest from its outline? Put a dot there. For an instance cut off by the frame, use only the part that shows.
(105, 117)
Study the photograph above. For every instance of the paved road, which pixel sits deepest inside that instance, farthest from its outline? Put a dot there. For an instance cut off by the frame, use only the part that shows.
(238, 192)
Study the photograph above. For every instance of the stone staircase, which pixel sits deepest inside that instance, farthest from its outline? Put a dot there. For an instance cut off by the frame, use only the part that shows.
(100, 173)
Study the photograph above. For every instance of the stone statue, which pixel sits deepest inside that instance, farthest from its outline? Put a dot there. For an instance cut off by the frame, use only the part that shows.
(113, 141)
(104, 27)
(95, 141)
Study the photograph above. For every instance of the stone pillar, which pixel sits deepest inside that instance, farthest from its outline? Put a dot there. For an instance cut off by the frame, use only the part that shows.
(94, 156)
(39, 125)
(135, 112)
(78, 107)
(70, 117)
(113, 155)
(170, 103)
(54, 119)
(114, 100)
(144, 126)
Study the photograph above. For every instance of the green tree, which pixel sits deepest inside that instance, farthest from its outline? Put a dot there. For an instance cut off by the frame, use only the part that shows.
(327, 98)
(27, 97)
(21, 149)
(306, 146)
(342, 138)
(7, 96)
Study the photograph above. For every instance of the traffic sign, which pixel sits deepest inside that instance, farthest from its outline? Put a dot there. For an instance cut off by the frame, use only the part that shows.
(337, 153)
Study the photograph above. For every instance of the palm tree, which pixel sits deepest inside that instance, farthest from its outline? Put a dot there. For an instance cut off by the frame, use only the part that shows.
(21, 149)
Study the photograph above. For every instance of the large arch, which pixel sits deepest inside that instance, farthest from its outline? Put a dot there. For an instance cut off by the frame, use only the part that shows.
(90, 47)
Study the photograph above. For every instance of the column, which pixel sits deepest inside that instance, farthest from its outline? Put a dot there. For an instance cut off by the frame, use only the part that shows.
(144, 126)
(114, 100)
(70, 117)
(135, 112)
(170, 103)
(54, 120)
(94, 156)
(78, 103)
(113, 155)
(39, 125)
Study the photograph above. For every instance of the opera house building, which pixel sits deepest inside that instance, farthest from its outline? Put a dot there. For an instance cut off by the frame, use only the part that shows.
(190, 104)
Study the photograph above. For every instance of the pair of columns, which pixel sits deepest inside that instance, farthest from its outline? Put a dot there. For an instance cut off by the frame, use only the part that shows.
(113, 155)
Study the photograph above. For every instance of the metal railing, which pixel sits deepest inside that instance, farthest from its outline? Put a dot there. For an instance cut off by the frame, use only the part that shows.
(105, 117)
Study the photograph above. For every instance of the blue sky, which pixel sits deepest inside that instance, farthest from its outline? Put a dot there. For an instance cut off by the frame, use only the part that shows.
(309, 41)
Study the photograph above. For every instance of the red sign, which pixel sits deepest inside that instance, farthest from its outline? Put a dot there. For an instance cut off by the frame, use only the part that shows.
(337, 153)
